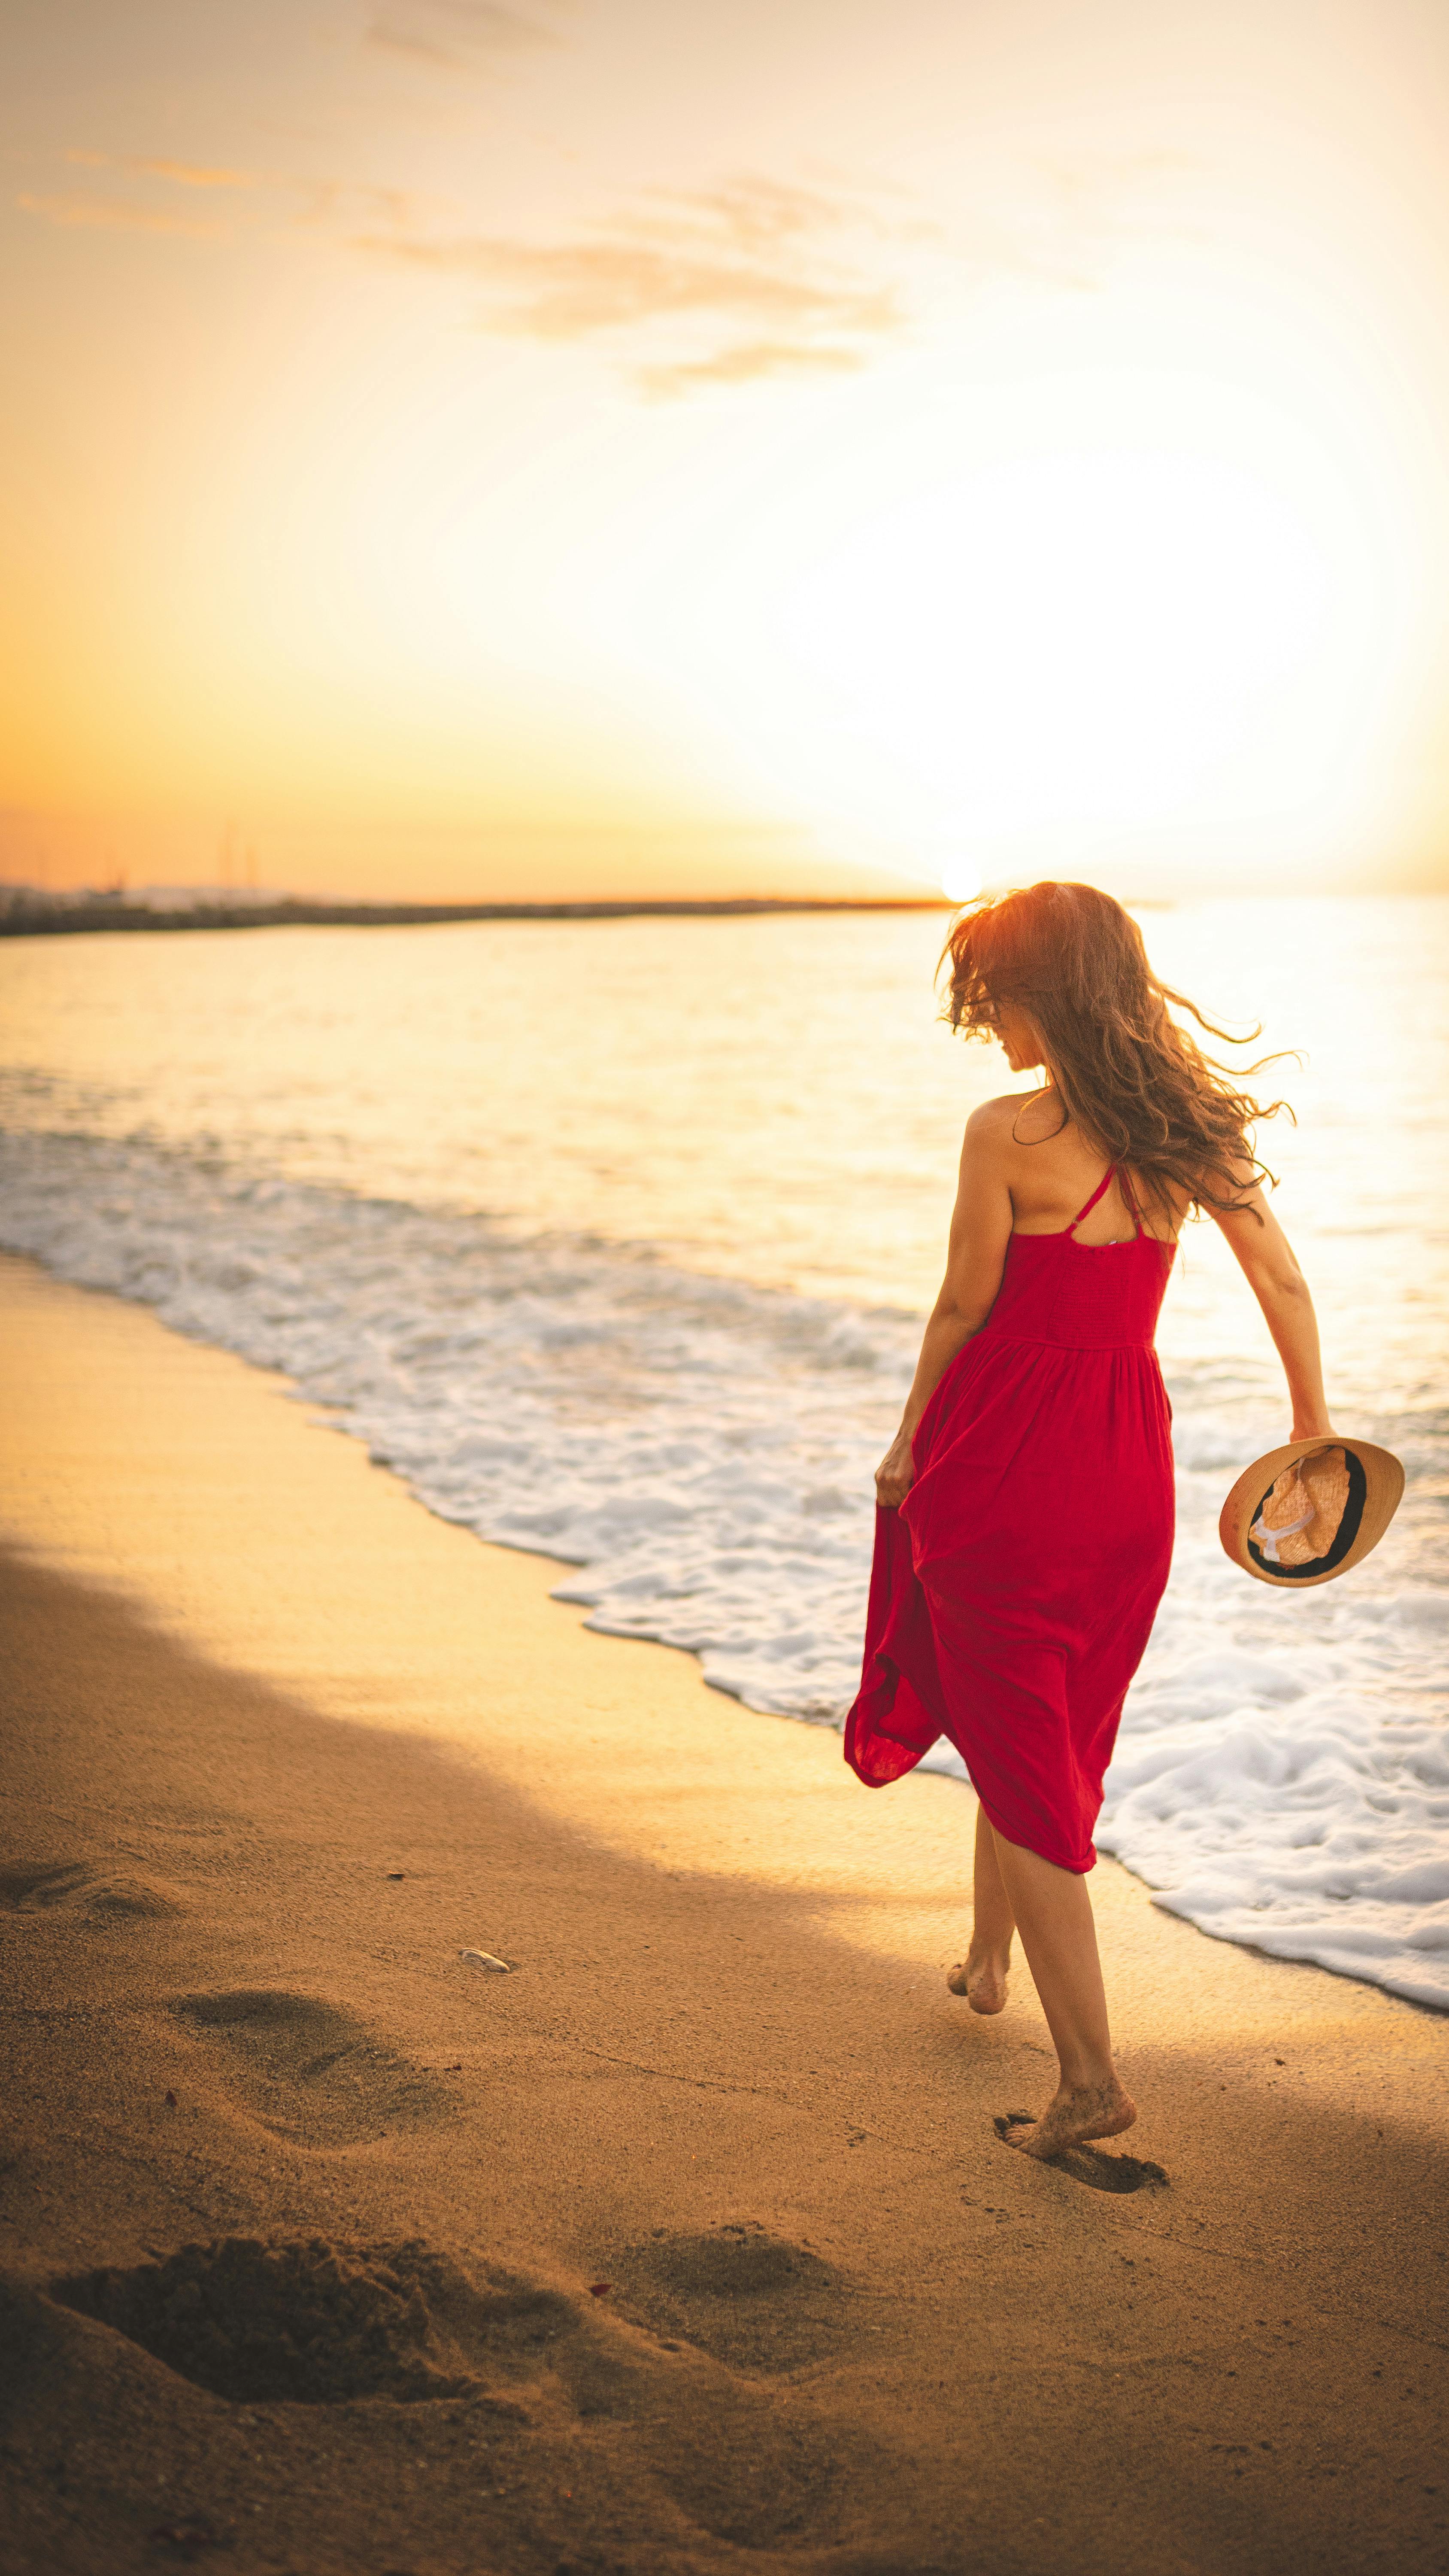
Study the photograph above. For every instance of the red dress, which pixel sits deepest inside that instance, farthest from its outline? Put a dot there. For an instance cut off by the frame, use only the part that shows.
(1014, 1590)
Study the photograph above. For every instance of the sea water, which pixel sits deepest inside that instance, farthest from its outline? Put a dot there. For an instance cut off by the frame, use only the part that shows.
(614, 1238)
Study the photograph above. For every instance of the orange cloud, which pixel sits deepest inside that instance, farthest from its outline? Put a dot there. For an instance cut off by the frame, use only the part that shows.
(184, 174)
(565, 290)
(324, 203)
(97, 214)
(747, 364)
(752, 252)
(759, 214)
(769, 272)
(187, 174)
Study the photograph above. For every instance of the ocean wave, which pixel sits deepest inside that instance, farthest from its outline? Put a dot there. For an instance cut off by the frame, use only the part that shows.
(700, 1451)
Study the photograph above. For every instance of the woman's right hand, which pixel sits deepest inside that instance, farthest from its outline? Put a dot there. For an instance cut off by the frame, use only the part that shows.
(896, 1473)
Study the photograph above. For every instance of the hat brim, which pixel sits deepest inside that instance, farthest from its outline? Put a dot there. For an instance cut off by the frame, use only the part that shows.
(1383, 1484)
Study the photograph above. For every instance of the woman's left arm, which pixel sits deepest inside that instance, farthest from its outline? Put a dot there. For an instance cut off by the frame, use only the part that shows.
(980, 1231)
(1266, 1259)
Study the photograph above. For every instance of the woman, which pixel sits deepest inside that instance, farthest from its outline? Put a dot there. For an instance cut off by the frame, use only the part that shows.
(1026, 1504)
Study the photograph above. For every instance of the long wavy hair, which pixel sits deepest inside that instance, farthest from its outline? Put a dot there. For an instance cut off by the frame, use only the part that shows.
(1133, 1080)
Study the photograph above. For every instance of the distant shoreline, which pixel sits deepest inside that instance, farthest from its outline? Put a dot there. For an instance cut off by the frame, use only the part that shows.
(38, 920)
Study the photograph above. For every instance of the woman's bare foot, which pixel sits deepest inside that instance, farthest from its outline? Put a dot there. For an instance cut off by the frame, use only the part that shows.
(981, 1978)
(1079, 2112)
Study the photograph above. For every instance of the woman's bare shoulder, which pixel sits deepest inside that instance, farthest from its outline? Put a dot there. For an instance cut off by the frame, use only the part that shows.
(1014, 1119)
(999, 1117)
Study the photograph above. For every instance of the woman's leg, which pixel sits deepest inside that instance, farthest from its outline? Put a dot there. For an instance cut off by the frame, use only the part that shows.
(981, 1975)
(1054, 1912)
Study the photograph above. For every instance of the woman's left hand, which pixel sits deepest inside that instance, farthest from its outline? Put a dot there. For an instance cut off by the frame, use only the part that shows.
(896, 1473)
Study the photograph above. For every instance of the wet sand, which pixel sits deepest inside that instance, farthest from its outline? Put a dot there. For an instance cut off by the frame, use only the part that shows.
(688, 2243)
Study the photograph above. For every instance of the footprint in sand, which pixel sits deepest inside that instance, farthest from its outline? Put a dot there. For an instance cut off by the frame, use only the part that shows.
(312, 2071)
(1092, 2165)
(312, 2322)
(317, 2323)
(78, 1887)
(751, 2306)
(745, 2474)
(749, 2299)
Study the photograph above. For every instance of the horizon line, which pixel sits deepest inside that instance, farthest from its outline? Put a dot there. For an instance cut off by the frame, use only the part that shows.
(31, 914)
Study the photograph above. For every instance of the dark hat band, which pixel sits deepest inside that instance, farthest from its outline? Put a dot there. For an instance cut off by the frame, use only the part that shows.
(1343, 1537)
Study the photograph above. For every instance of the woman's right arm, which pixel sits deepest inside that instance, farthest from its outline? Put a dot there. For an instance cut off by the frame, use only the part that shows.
(980, 1232)
(1265, 1257)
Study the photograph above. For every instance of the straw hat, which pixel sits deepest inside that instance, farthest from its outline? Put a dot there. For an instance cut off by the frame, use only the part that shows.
(1310, 1510)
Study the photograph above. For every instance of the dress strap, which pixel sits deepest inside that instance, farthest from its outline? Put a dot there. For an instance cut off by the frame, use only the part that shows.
(1104, 1184)
(1125, 1186)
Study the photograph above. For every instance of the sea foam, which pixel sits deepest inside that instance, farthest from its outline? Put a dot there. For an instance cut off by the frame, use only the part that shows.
(700, 1450)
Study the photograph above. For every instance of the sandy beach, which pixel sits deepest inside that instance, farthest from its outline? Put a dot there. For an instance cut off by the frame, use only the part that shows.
(689, 2243)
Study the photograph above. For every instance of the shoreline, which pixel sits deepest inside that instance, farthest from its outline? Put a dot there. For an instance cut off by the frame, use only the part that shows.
(254, 1679)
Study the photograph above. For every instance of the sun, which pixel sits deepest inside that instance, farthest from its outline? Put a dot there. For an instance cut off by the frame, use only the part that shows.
(960, 881)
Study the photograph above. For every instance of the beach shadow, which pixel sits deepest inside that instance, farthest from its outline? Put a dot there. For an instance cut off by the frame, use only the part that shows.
(840, 2426)
(1092, 2165)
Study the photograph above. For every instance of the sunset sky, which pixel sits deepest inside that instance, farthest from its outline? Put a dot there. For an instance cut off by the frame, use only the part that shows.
(648, 446)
